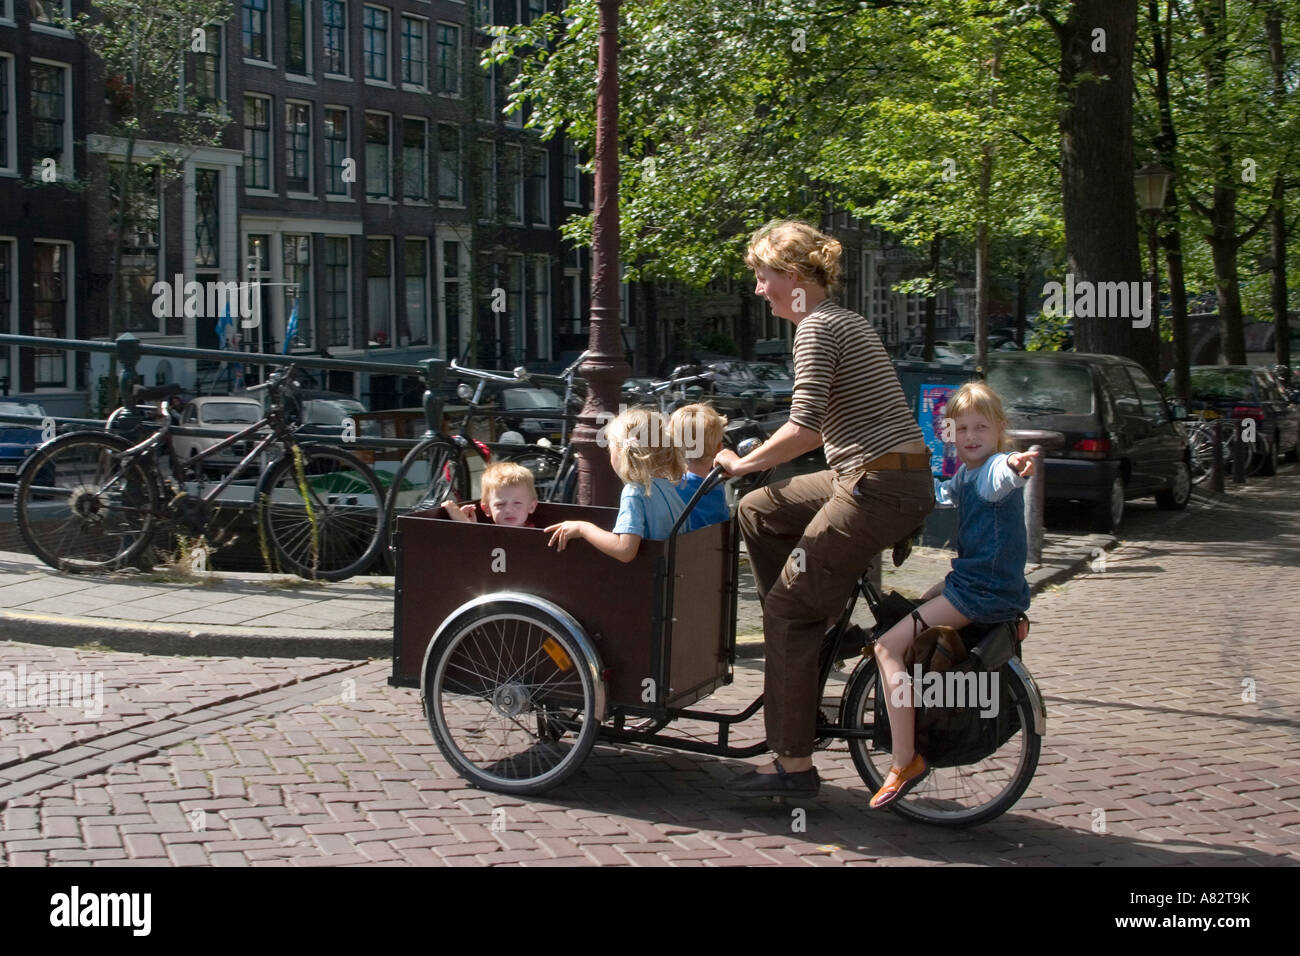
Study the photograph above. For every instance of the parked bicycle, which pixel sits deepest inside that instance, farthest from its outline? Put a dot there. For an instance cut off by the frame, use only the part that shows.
(94, 501)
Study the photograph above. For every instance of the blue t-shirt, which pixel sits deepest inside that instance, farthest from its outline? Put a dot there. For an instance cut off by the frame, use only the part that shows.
(649, 516)
(712, 508)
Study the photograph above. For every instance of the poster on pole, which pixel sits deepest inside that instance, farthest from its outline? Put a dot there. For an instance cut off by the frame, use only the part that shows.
(933, 409)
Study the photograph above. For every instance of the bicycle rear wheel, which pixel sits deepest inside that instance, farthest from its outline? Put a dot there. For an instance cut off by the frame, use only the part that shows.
(80, 507)
(950, 796)
(326, 520)
(552, 477)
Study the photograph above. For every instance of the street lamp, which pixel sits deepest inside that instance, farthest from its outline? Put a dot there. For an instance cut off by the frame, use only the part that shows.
(1152, 184)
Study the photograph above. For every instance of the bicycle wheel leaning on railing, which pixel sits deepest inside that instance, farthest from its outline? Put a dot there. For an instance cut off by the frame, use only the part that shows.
(80, 506)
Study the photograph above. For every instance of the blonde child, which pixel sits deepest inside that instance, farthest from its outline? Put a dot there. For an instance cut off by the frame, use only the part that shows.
(987, 581)
(508, 498)
(698, 430)
(645, 457)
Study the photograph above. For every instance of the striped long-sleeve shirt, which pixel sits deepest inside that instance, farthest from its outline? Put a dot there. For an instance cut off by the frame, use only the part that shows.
(846, 388)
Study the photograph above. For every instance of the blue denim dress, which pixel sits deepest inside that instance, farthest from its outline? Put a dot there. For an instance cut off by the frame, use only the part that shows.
(987, 582)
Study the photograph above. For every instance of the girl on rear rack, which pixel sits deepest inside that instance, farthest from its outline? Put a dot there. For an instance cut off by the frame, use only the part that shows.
(987, 581)
(643, 453)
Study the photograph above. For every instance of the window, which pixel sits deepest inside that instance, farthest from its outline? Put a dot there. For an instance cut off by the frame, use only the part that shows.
(206, 90)
(256, 27)
(540, 306)
(535, 8)
(415, 159)
(482, 12)
(1124, 395)
(451, 176)
(539, 188)
(335, 16)
(297, 147)
(257, 142)
(509, 71)
(572, 180)
(375, 28)
(379, 291)
(337, 273)
(449, 59)
(417, 292)
(297, 290)
(141, 243)
(336, 152)
(453, 301)
(485, 179)
(299, 33)
(415, 56)
(207, 217)
(1153, 406)
(515, 183)
(487, 94)
(7, 160)
(47, 11)
(6, 311)
(50, 311)
(379, 173)
(51, 129)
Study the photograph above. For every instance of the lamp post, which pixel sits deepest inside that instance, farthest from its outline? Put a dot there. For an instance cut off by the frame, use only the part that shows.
(1152, 184)
(605, 369)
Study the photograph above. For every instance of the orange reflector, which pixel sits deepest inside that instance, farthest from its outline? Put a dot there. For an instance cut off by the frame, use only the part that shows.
(552, 647)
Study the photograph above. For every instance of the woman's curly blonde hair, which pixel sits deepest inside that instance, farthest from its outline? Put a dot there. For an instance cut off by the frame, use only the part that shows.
(788, 245)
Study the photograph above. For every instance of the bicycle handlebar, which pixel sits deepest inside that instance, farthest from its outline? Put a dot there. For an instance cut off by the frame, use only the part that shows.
(485, 376)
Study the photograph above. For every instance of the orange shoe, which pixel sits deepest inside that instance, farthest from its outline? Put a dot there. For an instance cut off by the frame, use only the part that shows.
(907, 778)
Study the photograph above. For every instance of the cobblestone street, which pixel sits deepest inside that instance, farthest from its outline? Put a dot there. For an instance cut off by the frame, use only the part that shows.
(1155, 751)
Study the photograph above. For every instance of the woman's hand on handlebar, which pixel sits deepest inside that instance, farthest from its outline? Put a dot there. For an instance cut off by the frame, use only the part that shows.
(730, 462)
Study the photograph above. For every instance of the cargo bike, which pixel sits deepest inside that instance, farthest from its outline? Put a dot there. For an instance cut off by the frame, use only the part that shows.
(526, 657)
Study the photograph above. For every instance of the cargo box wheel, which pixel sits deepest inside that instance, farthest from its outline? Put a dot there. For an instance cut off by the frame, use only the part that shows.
(513, 695)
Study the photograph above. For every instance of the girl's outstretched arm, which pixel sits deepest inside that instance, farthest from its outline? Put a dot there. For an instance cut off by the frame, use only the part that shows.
(623, 547)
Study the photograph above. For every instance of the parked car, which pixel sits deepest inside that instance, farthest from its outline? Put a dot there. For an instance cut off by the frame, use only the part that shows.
(226, 413)
(533, 412)
(733, 382)
(1121, 440)
(945, 352)
(778, 379)
(323, 418)
(18, 441)
(1249, 392)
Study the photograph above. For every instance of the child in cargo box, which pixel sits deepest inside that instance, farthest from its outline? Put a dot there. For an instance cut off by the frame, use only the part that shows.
(508, 498)
(698, 429)
(650, 463)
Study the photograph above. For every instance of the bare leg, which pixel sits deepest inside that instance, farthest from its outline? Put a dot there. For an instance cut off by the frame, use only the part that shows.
(894, 683)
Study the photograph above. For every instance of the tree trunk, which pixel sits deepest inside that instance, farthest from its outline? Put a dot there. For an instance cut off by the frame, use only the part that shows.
(1100, 205)
(1281, 321)
(1022, 304)
(932, 300)
(1167, 150)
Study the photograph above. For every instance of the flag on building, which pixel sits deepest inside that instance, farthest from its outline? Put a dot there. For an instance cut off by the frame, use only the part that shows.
(292, 328)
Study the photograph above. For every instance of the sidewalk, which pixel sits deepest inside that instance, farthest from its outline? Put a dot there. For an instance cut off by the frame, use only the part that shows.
(265, 615)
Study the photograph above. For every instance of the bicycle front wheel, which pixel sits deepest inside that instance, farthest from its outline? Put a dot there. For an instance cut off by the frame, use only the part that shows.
(321, 509)
(81, 507)
(950, 796)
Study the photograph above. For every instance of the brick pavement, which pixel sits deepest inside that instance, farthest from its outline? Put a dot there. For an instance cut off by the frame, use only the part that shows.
(1155, 751)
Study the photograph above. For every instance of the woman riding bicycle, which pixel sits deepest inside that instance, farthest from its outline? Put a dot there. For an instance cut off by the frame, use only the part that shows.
(810, 537)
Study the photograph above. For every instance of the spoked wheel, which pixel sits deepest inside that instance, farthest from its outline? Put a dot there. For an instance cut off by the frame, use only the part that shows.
(324, 519)
(429, 474)
(79, 507)
(512, 695)
(545, 464)
(950, 796)
(1200, 443)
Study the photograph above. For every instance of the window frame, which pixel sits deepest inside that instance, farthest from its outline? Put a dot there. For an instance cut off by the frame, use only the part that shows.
(344, 52)
(387, 196)
(269, 101)
(459, 70)
(459, 201)
(9, 115)
(423, 85)
(514, 181)
(424, 199)
(69, 312)
(371, 342)
(308, 153)
(307, 39)
(543, 189)
(66, 167)
(485, 182)
(218, 105)
(268, 39)
(409, 339)
(366, 52)
(346, 194)
(345, 269)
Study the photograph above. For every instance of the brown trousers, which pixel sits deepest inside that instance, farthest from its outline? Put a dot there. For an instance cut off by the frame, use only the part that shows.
(809, 539)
